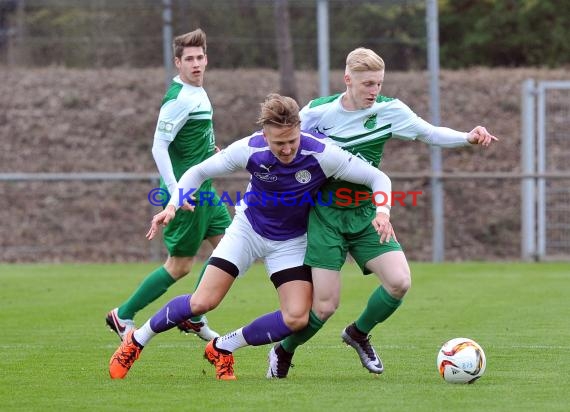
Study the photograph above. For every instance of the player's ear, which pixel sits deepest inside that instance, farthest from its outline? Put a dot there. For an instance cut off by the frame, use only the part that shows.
(347, 79)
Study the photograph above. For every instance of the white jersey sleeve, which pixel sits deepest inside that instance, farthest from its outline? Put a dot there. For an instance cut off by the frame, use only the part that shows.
(408, 125)
(340, 164)
(445, 137)
(229, 160)
(174, 114)
(163, 163)
(310, 117)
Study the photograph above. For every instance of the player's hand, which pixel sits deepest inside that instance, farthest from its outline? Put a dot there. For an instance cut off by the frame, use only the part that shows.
(186, 205)
(479, 135)
(161, 219)
(384, 228)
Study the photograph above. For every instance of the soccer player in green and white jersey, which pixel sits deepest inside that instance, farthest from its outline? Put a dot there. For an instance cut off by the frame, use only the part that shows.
(359, 120)
(184, 137)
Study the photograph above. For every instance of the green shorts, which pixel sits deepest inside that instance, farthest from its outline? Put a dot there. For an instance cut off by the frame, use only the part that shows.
(185, 233)
(334, 232)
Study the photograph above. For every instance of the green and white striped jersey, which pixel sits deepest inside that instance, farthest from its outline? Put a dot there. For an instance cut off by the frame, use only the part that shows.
(185, 120)
(362, 132)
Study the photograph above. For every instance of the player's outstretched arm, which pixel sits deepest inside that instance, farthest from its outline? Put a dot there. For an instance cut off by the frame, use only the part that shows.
(479, 135)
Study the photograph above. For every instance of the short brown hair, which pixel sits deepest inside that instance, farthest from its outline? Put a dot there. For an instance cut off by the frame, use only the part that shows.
(196, 38)
(361, 60)
(281, 111)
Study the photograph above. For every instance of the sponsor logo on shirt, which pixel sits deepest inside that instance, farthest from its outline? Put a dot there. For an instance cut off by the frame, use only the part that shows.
(265, 176)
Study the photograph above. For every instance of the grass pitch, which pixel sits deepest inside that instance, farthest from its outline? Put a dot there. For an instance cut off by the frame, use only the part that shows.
(54, 347)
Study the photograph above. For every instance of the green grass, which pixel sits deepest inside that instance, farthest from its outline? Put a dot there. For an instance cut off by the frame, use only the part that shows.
(54, 348)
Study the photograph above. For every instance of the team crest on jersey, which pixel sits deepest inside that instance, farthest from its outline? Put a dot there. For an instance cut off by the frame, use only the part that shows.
(370, 122)
(303, 176)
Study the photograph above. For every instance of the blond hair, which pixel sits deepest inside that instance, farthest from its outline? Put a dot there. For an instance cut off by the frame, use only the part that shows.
(361, 60)
(196, 38)
(281, 111)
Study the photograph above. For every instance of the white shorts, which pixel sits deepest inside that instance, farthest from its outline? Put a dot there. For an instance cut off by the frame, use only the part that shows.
(241, 245)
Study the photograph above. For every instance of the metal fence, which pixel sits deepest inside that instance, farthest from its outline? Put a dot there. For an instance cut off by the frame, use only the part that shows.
(60, 217)
(546, 160)
(110, 33)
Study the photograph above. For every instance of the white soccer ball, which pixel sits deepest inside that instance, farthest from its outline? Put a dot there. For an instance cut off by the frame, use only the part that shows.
(461, 360)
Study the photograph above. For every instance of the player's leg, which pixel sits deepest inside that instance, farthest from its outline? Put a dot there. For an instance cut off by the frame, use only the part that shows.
(295, 303)
(231, 258)
(214, 219)
(218, 278)
(182, 245)
(389, 263)
(326, 252)
(151, 288)
(394, 274)
(198, 325)
(292, 280)
(326, 293)
(293, 315)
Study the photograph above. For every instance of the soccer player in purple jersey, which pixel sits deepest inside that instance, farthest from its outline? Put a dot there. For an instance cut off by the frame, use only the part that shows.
(287, 167)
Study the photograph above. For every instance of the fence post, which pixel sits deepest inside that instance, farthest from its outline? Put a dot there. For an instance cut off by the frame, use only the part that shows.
(155, 244)
(528, 196)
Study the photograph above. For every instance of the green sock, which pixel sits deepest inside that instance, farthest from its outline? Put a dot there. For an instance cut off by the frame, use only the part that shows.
(379, 308)
(290, 343)
(151, 288)
(199, 317)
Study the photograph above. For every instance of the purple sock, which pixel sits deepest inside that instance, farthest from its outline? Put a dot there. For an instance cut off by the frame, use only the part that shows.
(171, 314)
(266, 329)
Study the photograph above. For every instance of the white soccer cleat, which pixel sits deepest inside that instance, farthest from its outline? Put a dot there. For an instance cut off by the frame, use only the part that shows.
(120, 326)
(200, 329)
(368, 356)
(279, 363)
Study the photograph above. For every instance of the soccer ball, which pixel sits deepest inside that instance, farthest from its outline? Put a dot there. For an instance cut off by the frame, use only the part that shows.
(461, 360)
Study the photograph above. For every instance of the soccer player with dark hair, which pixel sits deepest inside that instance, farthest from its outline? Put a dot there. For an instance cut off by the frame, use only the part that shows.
(184, 137)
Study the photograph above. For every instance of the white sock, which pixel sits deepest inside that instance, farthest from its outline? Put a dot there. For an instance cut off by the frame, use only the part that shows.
(231, 341)
(144, 334)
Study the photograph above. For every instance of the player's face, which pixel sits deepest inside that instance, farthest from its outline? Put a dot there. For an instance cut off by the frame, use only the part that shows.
(191, 65)
(283, 141)
(362, 88)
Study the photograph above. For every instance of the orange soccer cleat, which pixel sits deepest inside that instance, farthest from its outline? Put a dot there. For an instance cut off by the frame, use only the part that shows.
(224, 363)
(124, 357)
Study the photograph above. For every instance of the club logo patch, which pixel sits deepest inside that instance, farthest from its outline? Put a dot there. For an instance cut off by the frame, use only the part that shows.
(303, 176)
(370, 122)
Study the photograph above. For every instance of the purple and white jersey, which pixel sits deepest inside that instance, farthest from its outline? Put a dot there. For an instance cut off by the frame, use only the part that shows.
(279, 196)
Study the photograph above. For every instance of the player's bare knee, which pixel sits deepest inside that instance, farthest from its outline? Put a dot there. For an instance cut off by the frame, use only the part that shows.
(199, 305)
(400, 285)
(325, 310)
(296, 321)
(178, 267)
